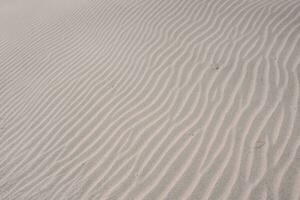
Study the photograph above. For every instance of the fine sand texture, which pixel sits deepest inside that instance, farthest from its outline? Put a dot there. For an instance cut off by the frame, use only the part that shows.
(149, 99)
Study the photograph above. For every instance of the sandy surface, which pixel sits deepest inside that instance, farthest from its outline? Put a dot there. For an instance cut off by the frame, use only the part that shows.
(149, 99)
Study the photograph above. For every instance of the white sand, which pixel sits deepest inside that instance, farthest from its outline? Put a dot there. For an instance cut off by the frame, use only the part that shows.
(149, 99)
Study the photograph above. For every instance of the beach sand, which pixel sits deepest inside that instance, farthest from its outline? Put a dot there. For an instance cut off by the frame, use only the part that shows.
(149, 99)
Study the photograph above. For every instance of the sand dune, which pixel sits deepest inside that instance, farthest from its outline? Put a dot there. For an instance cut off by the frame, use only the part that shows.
(149, 99)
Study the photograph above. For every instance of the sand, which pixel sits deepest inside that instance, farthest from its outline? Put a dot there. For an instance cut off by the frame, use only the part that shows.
(149, 99)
